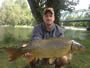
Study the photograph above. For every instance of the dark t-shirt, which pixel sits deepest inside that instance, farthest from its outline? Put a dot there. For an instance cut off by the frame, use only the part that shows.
(40, 32)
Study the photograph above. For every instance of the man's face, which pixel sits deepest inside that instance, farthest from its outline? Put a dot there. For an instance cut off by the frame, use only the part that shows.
(49, 18)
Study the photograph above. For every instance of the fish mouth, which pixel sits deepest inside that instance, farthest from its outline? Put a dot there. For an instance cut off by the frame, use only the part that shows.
(83, 49)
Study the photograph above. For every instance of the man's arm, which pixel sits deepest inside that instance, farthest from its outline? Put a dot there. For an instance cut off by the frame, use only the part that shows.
(59, 31)
(37, 33)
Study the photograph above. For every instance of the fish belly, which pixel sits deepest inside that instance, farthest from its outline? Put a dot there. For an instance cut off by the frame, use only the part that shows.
(50, 48)
(50, 52)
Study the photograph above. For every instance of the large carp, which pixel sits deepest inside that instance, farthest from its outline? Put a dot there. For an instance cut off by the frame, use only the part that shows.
(51, 48)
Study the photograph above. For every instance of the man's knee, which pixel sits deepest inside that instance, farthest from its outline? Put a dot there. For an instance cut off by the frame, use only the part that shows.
(61, 61)
(33, 63)
(64, 60)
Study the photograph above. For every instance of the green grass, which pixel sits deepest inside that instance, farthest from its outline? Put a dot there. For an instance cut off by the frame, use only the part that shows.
(18, 36)
(10, 37)
(81, 60)
(4, 63)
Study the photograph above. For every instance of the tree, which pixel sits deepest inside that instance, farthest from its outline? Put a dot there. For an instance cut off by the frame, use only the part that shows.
(88, 16)
(76, 15)
(38, 5)
(15, 12)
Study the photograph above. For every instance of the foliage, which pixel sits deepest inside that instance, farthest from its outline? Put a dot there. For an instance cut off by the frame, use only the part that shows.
(15, 12)
(76, 15)
(88, 15)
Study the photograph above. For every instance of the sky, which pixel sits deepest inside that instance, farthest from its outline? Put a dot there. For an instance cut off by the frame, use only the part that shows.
(0, 2)
(82, 5)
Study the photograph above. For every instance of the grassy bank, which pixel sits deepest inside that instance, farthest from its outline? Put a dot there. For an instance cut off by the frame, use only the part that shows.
(17, 36)
(81, 60)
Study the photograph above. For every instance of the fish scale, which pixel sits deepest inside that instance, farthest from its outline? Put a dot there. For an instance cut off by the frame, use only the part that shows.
(50, 48)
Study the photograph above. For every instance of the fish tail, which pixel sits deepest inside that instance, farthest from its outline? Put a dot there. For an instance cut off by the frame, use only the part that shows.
(11, 50)
(15, 53)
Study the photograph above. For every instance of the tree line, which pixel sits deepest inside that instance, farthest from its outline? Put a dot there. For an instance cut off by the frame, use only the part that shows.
(15, 12)
(77, 15)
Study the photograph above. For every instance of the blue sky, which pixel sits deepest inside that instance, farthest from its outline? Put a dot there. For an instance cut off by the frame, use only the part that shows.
(82, 5)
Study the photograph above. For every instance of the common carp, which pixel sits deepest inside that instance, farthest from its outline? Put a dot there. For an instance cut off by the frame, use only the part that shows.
(50, 48)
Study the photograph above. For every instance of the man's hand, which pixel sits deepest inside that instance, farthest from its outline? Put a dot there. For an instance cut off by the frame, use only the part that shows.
(26, 54)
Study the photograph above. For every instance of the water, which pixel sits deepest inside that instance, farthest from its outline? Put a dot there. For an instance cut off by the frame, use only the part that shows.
(75, 34)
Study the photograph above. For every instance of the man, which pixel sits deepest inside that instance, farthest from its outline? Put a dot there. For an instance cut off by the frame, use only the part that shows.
(45, 30)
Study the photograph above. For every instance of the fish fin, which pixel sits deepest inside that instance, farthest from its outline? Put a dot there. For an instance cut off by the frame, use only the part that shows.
(15, 53)
(11, 50)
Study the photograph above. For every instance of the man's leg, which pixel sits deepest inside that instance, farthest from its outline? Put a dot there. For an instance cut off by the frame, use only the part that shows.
(33, 63)
(45, 61)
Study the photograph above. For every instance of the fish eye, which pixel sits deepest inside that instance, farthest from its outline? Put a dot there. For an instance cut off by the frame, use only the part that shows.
(80, 46)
